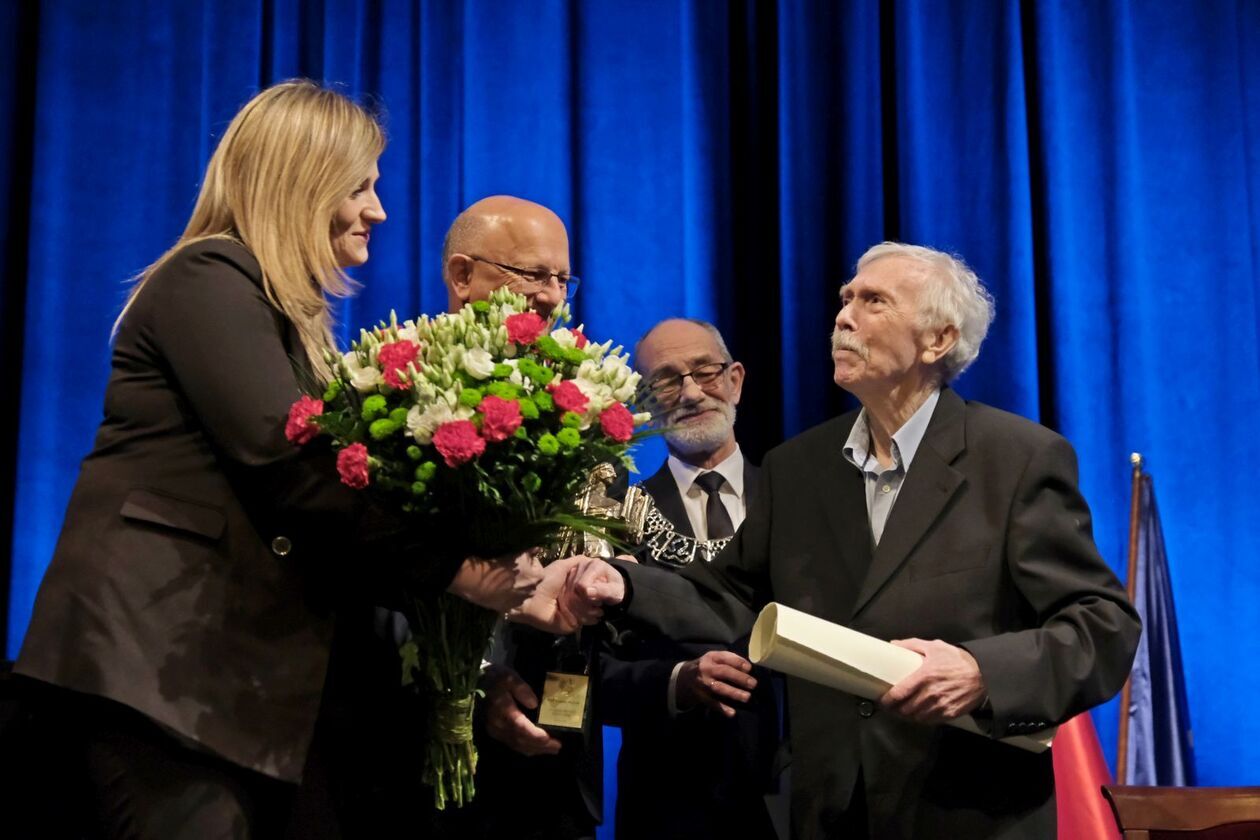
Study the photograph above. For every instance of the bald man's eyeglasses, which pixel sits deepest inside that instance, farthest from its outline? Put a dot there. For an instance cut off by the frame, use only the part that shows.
(668, 387)
(533, 280)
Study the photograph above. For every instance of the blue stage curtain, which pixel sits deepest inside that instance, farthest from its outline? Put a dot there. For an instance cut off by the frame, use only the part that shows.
(1098, 163)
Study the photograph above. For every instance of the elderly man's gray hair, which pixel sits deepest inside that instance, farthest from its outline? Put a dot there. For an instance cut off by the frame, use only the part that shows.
(956, 297)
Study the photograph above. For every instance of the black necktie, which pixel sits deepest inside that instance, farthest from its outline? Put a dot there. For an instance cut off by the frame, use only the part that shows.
(717, 520)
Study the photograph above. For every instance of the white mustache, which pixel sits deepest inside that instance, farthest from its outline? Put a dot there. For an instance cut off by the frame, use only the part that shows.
(708, 404)
(841, 340)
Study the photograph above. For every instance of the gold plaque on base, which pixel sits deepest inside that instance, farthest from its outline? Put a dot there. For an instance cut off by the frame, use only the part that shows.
(564, 701)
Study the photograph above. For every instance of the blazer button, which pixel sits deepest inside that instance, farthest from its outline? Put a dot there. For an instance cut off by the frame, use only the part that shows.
(281, 546)
(866, 708)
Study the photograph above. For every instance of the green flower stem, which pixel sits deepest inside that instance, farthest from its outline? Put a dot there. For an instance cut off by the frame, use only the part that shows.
(444, 659)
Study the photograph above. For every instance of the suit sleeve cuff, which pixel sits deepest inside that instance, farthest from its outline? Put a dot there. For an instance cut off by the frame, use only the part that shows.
(671, 697)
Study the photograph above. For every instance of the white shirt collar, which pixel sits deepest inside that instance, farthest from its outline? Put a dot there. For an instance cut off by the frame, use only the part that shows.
(731, 468)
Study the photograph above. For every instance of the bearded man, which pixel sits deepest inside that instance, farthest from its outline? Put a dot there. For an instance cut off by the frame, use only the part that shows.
(699, 726)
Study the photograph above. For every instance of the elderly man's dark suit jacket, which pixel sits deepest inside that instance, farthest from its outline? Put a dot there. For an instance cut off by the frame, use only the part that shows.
(989, 546)
(204, 558)
(698, 774)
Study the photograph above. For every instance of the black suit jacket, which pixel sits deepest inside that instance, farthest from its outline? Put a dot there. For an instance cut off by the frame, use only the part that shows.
(698, 774)
(204, 558)
(989, 546)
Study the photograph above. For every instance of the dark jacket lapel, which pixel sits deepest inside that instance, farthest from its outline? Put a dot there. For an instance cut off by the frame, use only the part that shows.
(928, 487)
(668, 501)
(752, 484)
(842, 498)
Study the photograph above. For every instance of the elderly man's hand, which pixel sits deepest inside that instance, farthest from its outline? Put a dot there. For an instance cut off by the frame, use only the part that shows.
(506, 695)
(947, 685)
(716, 676)
(572, 593)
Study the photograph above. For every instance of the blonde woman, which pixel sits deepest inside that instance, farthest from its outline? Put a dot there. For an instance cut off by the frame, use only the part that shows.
(207, 567)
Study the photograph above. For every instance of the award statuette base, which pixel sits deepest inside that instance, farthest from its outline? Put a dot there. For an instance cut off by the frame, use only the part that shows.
(565, 705)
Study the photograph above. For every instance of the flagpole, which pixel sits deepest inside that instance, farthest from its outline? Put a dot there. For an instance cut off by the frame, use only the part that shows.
(1135, 511)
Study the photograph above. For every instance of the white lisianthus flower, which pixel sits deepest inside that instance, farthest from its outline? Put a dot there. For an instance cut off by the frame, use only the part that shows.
(516, 377)
(565, 337)
(626, 392)
(364, 378)
(615, 367)
(589, 370)
(422, 424)
(642, 417)
(478, 363)
(408, 332)
(425, 391)
(598, 395)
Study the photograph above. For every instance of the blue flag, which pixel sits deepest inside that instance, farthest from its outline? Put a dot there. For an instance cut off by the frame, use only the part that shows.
(1161, 747)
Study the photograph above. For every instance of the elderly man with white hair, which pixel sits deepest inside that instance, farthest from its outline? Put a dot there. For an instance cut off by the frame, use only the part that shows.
(946, 526)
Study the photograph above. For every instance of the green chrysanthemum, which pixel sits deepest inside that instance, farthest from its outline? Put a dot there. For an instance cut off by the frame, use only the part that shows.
(383, 428)
(374, 407)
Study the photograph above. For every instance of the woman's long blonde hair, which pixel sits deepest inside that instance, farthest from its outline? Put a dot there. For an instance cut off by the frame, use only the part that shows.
(274, 182)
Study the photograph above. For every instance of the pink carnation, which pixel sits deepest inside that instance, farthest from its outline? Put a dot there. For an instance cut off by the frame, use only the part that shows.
(500, 418)
(394, 358)
(617, 422)
(300, 429)
(580, 340)
(352, 466)
(458, 442)
(568, 396)
(525, 327)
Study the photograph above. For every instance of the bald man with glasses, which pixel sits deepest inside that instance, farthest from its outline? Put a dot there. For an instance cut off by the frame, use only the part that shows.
(507, 241)
(530, 784)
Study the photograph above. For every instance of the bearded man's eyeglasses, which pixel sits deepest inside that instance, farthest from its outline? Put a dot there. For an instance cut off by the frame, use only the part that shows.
(669, 387)
(533, 280)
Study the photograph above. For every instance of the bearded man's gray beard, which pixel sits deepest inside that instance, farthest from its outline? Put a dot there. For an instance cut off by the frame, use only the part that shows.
(705, 436)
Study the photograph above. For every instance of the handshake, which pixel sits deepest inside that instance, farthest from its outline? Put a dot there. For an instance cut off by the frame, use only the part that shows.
(557, 598)
(571, 593)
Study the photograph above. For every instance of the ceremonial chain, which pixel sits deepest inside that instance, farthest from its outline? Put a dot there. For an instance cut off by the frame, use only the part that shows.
(668, 547)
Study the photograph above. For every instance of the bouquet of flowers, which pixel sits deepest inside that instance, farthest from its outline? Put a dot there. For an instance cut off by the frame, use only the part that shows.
(485, 424)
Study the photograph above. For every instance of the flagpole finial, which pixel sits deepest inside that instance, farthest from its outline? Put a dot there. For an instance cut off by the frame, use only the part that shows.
(1136, 460)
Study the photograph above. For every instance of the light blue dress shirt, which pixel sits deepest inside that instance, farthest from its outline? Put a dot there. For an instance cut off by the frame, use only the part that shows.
(884, 483)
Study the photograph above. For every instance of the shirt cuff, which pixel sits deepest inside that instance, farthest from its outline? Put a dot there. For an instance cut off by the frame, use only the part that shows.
(671, 696)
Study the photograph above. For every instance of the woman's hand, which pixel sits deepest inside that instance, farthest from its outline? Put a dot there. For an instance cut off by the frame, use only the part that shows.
(501, 583)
